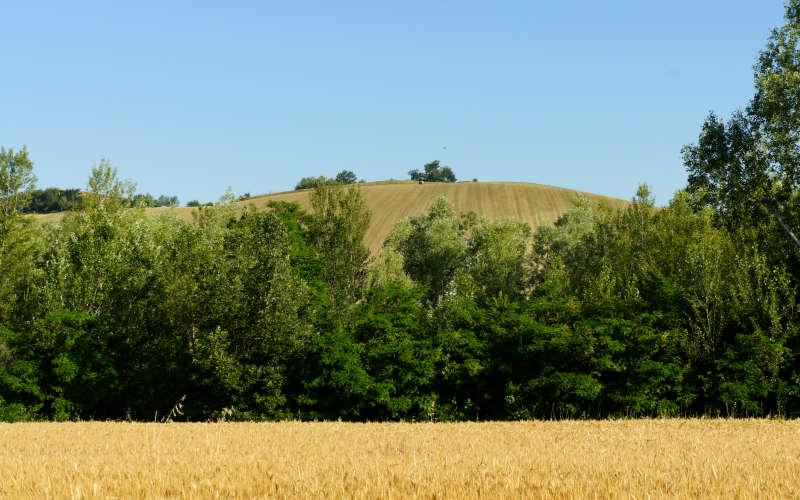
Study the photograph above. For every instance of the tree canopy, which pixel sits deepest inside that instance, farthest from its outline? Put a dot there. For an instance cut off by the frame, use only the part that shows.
(748, 169)
(689, 309)
(343, 177)
(433, 172)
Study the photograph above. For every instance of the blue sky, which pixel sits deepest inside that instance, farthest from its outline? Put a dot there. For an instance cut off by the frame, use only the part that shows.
(188, 98)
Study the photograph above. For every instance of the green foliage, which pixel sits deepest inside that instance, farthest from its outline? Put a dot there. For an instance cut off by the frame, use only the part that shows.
(341, 218)
(343, 178)
(16, 185)
(346, 177)
(279, 313)
(433, 172)
(18, 245)
(61, 370)
(310, 182)
(748, 169)
(53, 200)
(147, 200)
(432, 246)
(560, 243)
(108, 195)
(496, 258)
(380, 364)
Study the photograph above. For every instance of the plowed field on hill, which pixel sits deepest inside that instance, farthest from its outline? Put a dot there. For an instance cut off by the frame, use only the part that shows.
(391, 201)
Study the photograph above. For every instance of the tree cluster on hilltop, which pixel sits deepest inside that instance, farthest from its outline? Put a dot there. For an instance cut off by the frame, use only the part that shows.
(344, 177)
(433, 172)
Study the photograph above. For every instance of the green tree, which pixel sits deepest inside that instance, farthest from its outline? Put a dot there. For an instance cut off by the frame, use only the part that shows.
(108, 194)
(346, 177)
(17, 241)
(559, 245)
(341, 219)
(433, 172)
(497, 258)
(433, 248)
(748, 169)
(53, 200)
(311, 182)
(60, 370)
(380, 364)
(17, 182)
(259, 317)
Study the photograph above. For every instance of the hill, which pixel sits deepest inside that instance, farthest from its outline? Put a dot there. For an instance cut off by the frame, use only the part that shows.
(391, 201)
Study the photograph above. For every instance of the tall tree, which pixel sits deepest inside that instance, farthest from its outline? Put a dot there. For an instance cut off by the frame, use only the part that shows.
(341, 219)
(433, 247)
(16, 235)
(346, 177)
(16, 185)
(748, 169)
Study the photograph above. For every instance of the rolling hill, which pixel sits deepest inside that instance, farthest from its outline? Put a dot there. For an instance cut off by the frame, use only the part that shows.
(391, 201)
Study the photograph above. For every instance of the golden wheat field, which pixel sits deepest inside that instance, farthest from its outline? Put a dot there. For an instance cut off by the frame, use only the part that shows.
(390, 201)
(594, 459)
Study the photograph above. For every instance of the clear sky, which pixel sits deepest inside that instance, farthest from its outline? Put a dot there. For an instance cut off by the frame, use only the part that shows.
(188, 98)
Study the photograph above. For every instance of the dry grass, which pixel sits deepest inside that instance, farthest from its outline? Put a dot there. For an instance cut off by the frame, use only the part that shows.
(391, 201)
(640, 458)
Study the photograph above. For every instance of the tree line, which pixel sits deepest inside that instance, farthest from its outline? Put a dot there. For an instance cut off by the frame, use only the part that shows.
(432, 172)
(49, 200)
(343, 177)
(281, 313)
(688, 309)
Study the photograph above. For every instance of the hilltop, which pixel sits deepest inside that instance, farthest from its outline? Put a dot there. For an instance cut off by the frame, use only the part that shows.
(391, 201)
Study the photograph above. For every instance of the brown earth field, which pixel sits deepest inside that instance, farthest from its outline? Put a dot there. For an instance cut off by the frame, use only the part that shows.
(671, 458)
(391, 201)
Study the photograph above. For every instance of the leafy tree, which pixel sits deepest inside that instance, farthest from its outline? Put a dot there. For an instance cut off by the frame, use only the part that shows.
(310, 182)
(378, 365)
(433, 172)
(61, 370)
(748, 169)
(17, 241)
(261, 322)
(107, 194)
(53, 200)
(193, 203)
(147, 200)
(167, 201)
(496, 258)
(341, 219)
(16, 185)
(388, 269)
(559, 245)
(346, 177)
(432, 246)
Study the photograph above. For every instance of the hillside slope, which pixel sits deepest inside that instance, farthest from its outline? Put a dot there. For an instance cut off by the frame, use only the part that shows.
(391, 201)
